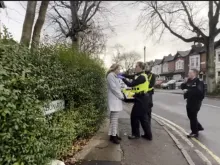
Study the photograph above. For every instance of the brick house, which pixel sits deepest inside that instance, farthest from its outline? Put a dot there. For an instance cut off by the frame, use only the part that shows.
(197, 60)
(168, 67)
(180, 64)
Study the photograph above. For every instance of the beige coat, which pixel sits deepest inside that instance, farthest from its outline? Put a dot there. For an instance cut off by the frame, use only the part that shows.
(115, 95)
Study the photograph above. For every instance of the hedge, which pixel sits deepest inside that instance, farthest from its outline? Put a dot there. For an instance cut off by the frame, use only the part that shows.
(29, 80)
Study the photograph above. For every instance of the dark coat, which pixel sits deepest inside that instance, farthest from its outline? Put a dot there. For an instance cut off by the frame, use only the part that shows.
(195, 93)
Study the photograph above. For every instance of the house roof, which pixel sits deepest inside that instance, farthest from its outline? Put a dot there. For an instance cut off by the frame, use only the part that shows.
(150, 63)
(158, 61)
(168, 58)
(183, 53)
(2, 4)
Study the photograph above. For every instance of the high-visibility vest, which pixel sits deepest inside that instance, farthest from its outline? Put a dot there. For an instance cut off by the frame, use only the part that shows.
(141, 87)
(150, 89)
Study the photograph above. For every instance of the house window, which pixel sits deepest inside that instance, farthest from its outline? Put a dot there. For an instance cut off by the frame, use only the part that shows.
(192, 62)
(219, 57)
(219, 74)
(179, 64)
(165, 67)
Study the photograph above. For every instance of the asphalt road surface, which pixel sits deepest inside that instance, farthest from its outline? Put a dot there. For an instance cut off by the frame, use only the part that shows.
(173, 108)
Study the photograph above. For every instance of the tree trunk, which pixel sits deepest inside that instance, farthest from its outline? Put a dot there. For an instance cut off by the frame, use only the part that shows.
(28, 23)
(39, 24)
(210, 65)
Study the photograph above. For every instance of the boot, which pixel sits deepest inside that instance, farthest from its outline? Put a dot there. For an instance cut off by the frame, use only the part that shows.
(119, 138)
(115, 140)
(193, 135)
(131, 137)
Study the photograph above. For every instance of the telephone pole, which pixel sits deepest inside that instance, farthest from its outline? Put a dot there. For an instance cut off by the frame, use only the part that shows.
(144, 54)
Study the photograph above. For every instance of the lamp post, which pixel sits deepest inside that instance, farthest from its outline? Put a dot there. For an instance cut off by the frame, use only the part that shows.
(144, 54)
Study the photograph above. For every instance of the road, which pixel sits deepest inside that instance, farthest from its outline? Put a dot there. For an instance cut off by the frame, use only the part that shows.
(172, 107)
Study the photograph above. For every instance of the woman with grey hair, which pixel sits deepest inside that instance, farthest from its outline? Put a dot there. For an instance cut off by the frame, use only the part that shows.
(115, 98)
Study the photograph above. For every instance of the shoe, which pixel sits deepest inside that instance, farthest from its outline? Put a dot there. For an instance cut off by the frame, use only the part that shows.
(193, 135)
(115, 140)
(119, 138)
(133, 137)
(201, 129)
(145, 137)
(110, 139)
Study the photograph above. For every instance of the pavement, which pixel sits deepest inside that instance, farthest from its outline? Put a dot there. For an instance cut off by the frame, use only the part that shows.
(169, 146)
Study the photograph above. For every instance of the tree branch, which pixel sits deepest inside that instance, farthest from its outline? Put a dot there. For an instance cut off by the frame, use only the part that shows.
(62, 17)
(192, 39)
(96, 9)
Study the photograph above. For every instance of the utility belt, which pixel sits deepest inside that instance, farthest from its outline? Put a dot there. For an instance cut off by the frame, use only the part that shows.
(142, 93)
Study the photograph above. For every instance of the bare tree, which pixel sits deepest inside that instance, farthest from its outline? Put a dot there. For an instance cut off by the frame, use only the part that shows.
(92, 41)
(118, 48)
(78, 17)
(181, 19)
(28, 23)
(127, 60)
(39, 24)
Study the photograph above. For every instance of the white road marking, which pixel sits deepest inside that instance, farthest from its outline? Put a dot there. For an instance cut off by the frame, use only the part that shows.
(203, 157)
(179, 133)
(208, 105)
(215, 157)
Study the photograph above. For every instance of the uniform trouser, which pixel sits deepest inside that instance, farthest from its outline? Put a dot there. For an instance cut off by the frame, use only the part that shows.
(192, 112)
(150, 106)
(135, 124)
(113, 127)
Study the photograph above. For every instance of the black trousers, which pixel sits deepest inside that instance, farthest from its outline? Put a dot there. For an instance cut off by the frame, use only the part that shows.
(140, 115)
(192, 112)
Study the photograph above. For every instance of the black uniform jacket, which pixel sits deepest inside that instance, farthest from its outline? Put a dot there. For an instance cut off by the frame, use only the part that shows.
(195, 93)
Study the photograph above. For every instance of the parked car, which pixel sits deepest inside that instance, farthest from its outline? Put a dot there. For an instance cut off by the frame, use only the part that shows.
(166, 85)
(158, 83)
(178, 83)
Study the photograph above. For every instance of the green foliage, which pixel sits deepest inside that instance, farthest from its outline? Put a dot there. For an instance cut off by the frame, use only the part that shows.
(28, 80)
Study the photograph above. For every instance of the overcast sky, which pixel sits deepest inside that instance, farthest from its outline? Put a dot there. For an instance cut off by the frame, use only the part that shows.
(125, 21)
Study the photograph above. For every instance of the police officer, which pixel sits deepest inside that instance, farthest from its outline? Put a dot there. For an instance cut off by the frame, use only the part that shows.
(151, 79)
(194, 93)
(140, 109)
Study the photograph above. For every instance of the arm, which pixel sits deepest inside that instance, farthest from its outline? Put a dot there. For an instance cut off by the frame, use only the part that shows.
(116, 91)
(183, 86)
(128, 76)
(139, 80)
(152, 81)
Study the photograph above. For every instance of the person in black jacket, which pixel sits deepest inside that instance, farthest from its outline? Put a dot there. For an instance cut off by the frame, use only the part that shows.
(194, 94)
(140, 110)
(151, 79)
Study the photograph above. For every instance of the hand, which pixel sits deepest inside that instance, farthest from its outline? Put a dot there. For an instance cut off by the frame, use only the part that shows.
(186, 79)
(121, 77)
(185, 90)
(120, 74)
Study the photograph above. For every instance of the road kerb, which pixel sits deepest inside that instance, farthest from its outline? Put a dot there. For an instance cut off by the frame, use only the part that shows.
(215, 157)
(178, 144)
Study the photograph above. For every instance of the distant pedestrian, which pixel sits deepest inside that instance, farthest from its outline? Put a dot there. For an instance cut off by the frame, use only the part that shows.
(115, 98)
(194, 93)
